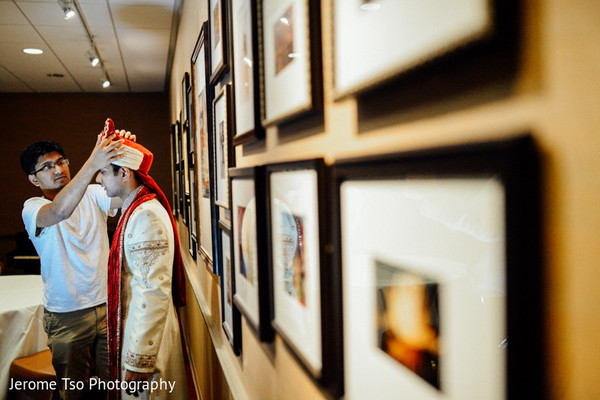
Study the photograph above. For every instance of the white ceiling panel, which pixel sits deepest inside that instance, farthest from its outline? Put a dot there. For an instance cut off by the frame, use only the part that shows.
(132, 37)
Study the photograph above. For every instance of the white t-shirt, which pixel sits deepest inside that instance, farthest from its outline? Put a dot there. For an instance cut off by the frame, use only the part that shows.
(73, 252)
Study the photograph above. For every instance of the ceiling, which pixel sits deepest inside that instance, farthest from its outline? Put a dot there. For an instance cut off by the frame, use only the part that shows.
(134, 38)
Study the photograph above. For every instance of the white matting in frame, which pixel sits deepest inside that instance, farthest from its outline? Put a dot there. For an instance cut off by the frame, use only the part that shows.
(424, 288)
(217, 37)
(286, 56)
(245, 255)
(374, 40)
(296, 263)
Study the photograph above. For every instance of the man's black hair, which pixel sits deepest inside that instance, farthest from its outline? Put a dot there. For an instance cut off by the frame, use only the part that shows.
(31, 154)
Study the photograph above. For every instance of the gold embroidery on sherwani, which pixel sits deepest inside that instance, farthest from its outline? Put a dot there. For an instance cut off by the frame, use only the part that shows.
(140, 360)
(146, 253)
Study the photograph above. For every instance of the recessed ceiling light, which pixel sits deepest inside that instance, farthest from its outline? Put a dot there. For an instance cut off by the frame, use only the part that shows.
(33, 51)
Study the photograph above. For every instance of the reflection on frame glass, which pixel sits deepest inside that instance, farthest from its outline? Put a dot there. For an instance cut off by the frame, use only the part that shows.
(301, 282)
(252, 275)
(218, 38)
(231, 318)
(291, 31)
(203, 139)
(362, 30)
(433, 297)
(246, 71)
(222, 145)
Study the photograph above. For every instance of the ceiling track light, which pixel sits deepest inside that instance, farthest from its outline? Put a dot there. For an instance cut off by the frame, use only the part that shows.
(92, 57)
(67, 8)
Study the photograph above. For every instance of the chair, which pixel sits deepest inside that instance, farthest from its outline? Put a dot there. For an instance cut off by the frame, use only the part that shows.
(35, 367)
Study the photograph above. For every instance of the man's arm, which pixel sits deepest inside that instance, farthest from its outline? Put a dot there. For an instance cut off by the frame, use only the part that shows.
(65, 202)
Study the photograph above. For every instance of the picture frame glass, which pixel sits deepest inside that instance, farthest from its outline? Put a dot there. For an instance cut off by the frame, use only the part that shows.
(202, 154)
(424, 289)
(227, 284)
(216, 34)
(245, 249)
(221, 149)
(296, 262)
(362, 29)
(243, 66)
(286, 58)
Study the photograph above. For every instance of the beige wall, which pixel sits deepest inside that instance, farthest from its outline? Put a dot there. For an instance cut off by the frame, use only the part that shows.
(555, 96)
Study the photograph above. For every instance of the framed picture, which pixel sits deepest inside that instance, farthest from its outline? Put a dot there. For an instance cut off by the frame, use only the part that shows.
(175, 172)
(185, 84)
(246, 71)
(252, 275)
(293, 76)
(192, 230)
(224, 155)
(438, 252)
(181, 170)
(363, 30)
(202, 128)
(218, 40)
(303, 299)
(231, 317)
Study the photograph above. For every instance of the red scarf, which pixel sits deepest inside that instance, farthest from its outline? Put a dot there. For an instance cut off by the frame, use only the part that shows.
(115, 264)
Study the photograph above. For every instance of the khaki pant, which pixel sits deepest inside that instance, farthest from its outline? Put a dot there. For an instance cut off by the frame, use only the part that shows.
(79, 349)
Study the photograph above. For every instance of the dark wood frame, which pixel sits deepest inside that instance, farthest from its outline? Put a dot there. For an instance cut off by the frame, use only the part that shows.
(174, 172)
(329, 377)
(264, 329)
(233, 333)
(258, 132)
(499, 39)
(515, 163)
(315, 72)
(203, 41)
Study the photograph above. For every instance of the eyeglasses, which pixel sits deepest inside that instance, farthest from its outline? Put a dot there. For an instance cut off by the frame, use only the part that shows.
(51, 165)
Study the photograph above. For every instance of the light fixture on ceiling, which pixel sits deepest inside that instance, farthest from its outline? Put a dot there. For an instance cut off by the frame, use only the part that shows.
(33, 51)
(93, 58)
(66, 6)
(105, 81)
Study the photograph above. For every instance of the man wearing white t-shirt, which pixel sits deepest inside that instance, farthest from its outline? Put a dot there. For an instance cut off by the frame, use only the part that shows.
(67, 226)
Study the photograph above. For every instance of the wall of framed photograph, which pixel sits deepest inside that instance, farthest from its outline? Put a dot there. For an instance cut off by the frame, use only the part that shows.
(202, 129)
(292, 70)
(362, 29)
(246, 71)
(252, 275)
(371, 77)
(434, 296)
(224, 157)
(230, 314)
(304, 295)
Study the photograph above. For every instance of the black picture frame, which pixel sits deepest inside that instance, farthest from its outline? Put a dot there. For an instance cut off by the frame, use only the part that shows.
(291, 89)
(181, 173)
(202, 127)
(218, 23)
(245, 61)
(174, 173)
(306, 297)
(224, 156)
(426, 188)
(231, 320)
(253, 286)
(474, 32)
(185, 85)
